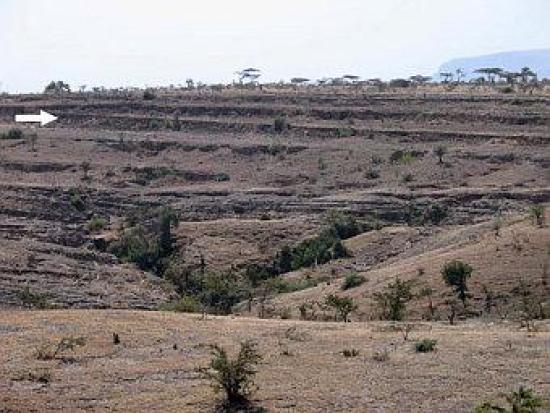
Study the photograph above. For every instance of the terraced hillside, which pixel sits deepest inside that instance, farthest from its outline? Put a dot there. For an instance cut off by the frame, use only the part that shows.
(250, 171)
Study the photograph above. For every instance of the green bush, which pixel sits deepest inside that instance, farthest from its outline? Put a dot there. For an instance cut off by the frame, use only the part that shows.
(221, 177)
(343, 306)
(76, 200)
(536, 213)
(425, 346)
(35, 300)
(372, 174)
(353, 352)
(521, 401)
(186, 304)
(392, 303)
(283, 286)
(456, 274)
(280, 124)
(149, 94)
(353, 280)
(234, 376)
(96, 224)
(13, 133)
(138, 246)
(220, 293)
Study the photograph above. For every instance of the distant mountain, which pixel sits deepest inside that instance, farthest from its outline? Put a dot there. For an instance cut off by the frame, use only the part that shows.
(537, 60)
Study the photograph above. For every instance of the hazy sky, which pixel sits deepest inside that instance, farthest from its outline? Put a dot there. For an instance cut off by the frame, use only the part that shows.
(138, 42)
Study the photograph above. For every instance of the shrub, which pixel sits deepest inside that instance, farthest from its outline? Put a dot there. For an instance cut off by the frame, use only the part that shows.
(381, 355)
(13, 133)
(233, 376)
(440, 151)
(292, 285)
(400, 83)
(32, 299)
(280, 124)
(345, 132)
(425, 346)
(392, 303)
(521, 401)
(96, 224)
(455, 274)
(136, 245)
(350, 352)
(186, 304)
(353, 280)
(343, 306)
(377, 160)
(221, 177)
(220, 293)
(536, 213)
(408, 178)
(372, 174)
(435, 214)
(344, 225)
(76, 200)
(149, 94)
(49, 351)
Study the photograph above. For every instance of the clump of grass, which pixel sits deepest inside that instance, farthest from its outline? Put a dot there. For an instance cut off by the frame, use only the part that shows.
(280, 124)
(13, 133)
(381, 355)
(49, 351)
(350, 352)
(425, 346)
(186, 304)
(34, 300)
(372, 174)
(96, 224)
(521, 401)
(353, 280)
(76, 200)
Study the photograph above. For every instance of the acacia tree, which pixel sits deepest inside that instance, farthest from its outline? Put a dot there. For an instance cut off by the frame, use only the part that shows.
(447, 76)
(57, 87)
(420, 79)
(490, 72)
(527, 74)
(250, 74)
(460, 74)
(456, 274)
(299, 80)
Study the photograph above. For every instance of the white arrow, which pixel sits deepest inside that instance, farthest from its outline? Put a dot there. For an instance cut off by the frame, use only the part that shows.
(44, 118)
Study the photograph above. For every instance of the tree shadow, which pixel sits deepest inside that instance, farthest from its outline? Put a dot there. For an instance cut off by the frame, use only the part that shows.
(243, 406)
